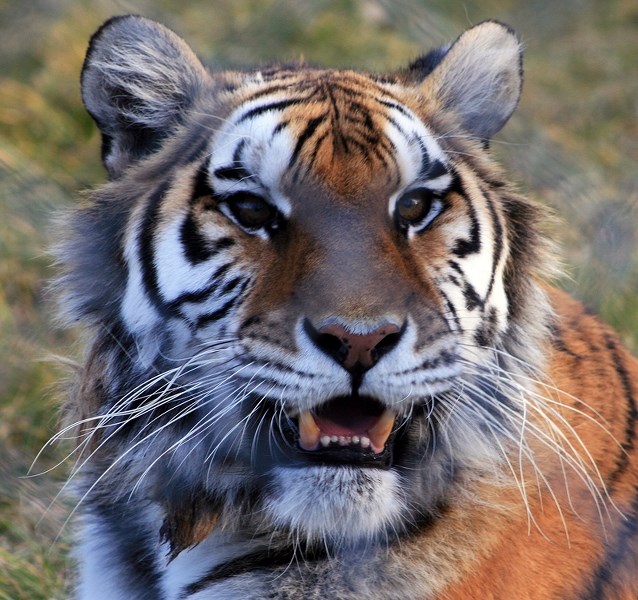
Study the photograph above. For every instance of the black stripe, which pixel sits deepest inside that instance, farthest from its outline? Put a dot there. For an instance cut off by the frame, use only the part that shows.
(201, 186)
(446, 358)
(437, 169)
(452, 310)
(230, 286)
(221, 312)
(266, 92)
(204, 293)
(279, 127)
(192, 240)
(425, 159)
(313, 156)
(430, 169)
(197, 248)
(498, 242)
(619, 557)
(268, 559)
(486, 332)
(305, 135)
(145, 242)
(396, 126)
(558, 341)
(329, 94)
(473, 245)
(237, 154)
(236, 171)
(132, 546)
(393, 105)
(629, 443)
(472, 299)
(259, 110)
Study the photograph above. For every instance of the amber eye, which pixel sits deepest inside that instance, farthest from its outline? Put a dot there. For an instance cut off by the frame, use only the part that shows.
(413, 207)
(251, 211)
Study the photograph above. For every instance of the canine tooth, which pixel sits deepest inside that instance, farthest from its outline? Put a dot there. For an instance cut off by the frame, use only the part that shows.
(334, 439)
(308, 431)
(380, 433)
(365, 442)
(325, 440)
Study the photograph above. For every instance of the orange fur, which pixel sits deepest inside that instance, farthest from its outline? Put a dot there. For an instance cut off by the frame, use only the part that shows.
(591, 373)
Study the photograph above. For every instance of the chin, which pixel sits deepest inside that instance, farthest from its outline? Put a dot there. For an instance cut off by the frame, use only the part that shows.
(338, 505)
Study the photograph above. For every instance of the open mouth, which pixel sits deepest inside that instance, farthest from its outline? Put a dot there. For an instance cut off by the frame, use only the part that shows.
(347, 429)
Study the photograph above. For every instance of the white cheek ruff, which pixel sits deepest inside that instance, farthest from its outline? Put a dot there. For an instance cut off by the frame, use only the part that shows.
(175, 275)
(138, 312)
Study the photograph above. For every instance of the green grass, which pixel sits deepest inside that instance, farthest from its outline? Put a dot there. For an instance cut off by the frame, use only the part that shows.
(573, 145)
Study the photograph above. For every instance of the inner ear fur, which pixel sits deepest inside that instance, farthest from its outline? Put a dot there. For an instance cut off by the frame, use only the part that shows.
(138, 80)
(479, 78)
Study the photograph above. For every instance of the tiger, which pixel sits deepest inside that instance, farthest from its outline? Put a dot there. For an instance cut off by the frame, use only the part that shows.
(324, 354)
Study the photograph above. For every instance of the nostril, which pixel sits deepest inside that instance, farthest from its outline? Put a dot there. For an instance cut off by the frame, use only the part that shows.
(332, 345)
(388, 342)
(355, 352)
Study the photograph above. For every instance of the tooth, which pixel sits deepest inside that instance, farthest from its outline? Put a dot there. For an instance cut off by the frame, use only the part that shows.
(364, 441)
(355, 439)
(334, 439)
(343, 440)
(325, 440)
(308, 431)
(380, 433)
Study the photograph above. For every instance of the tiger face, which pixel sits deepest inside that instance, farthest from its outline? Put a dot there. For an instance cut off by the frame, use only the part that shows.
(315, 303)
(325, 271)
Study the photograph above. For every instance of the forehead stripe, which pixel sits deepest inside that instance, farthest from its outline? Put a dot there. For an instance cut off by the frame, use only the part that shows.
(236, 171)
(305, 135)
(273, 106)
(394, 105)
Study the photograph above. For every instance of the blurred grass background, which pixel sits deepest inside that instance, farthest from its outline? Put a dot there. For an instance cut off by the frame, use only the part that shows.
(573, 144)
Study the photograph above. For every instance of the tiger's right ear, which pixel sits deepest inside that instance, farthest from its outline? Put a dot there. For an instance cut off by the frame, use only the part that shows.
(138, 80)
(478, 78)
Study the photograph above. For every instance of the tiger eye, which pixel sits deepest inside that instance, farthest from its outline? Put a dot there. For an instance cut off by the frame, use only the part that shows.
(413, 207)
(251, 211)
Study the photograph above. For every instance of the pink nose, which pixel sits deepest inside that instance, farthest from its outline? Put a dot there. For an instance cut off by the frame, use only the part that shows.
(351, 349)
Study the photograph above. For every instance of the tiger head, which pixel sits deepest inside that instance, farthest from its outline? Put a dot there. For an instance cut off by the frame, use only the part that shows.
(306, 287)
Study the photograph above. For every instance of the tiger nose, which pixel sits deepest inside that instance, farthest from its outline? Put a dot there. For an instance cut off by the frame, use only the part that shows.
(353, 351)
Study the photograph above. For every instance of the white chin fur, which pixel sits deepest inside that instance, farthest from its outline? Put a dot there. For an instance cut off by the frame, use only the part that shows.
(343, 505)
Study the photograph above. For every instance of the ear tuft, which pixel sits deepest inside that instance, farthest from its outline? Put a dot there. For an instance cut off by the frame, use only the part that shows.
(138, 80)
(479, 78)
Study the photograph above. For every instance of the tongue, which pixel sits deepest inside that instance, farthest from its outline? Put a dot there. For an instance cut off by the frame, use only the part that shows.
(356, 425)
(353, 416)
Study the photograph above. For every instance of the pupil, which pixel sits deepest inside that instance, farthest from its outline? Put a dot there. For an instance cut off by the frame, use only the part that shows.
(253, 212)
(411, 209)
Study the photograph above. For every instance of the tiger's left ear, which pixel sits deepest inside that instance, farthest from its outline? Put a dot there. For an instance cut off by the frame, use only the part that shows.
(479, 78)
(138, 81)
